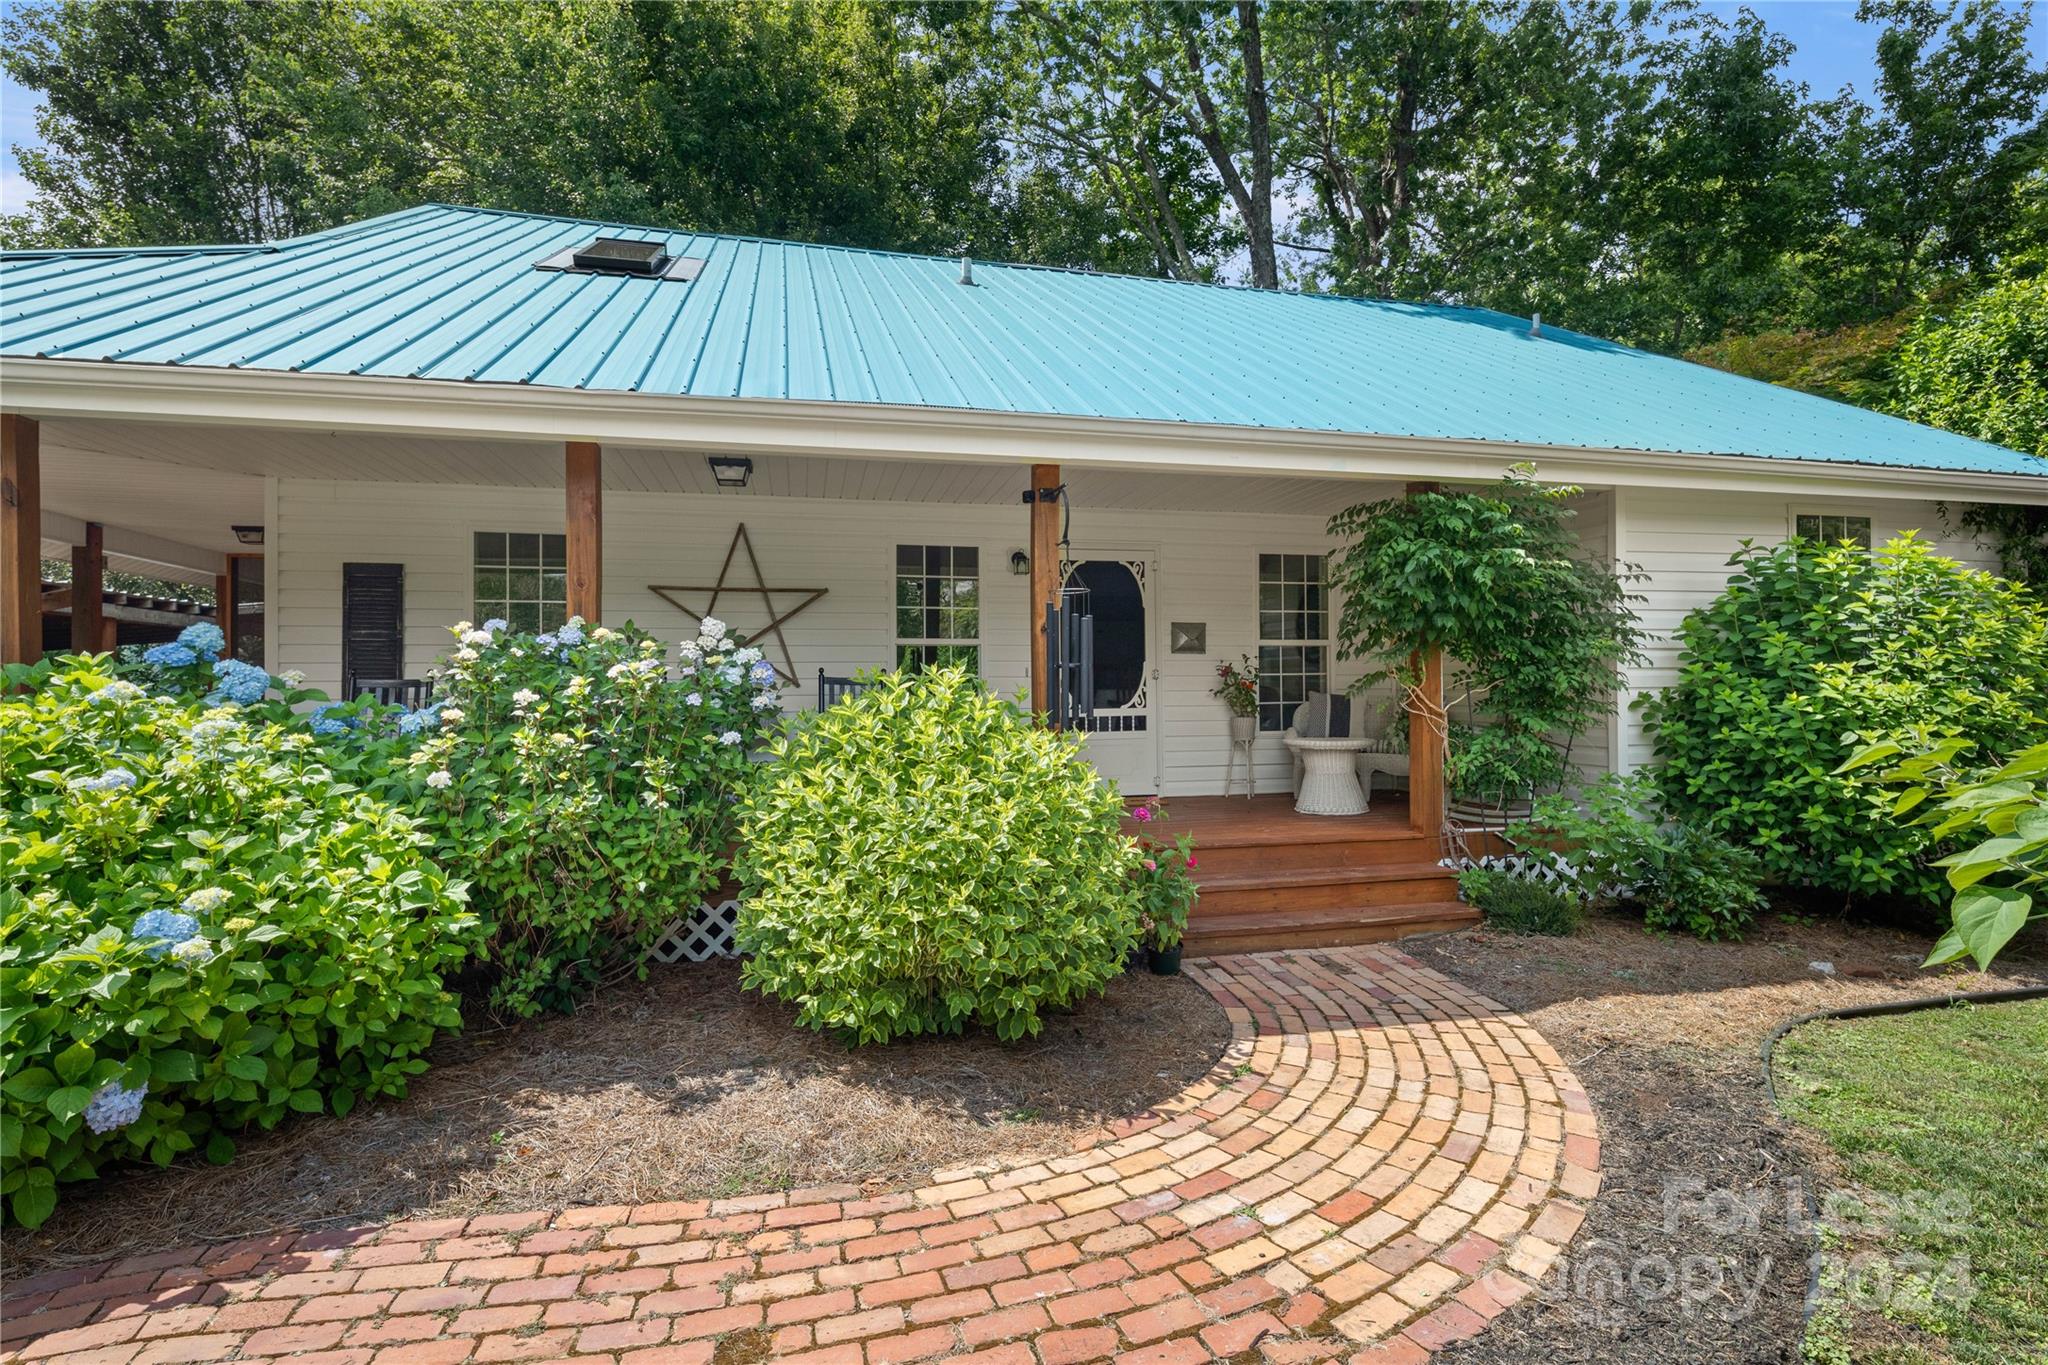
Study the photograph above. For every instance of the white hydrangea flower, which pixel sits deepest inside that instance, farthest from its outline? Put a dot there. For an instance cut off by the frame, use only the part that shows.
(206, 900)
(694, 699)
(465, 655)
(451, 714)
(293, 677)
(710, 628)
(439, 778)
(575, 621)
(688, 649)
(765, 700)
(602, 633)
(478, 638)
(729, 737)
(194, 950)
(747, 656)
(525, 696)
(616, 671)
(461, 628)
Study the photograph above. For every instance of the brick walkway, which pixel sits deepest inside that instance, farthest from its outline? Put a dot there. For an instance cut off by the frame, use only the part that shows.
(1382, 1162)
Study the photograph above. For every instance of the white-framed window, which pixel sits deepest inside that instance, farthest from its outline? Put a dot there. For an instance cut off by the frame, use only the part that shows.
(1294, 633)
(521, 577)
(1831, 527)
(938, 606)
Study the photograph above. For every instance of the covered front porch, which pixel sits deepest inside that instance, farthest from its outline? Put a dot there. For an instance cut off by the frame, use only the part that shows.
(371, 545)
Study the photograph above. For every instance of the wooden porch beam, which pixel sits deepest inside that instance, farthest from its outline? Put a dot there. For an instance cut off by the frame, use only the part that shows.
(584, 525)
(1045, 577)
(1426, 732)
(21, 539)
(88, 581)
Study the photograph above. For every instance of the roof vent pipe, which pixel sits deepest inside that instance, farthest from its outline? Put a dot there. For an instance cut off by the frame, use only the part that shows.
(966, 270)
(1536, 324)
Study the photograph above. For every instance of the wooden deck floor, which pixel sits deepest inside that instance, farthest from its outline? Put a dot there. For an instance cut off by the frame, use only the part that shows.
(1273, 878)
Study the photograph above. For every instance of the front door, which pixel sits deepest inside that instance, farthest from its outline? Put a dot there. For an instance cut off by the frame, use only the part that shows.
(1123, 734)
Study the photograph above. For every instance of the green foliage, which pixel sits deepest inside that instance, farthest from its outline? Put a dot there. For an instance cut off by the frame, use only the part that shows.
(921, 857)
(1811, 644)
(1493, 577)
(2002, 814)
(585, 791)
(1611, 844)
(307, 979)
(1520, 905)
(1982, 368)
(1851, 363)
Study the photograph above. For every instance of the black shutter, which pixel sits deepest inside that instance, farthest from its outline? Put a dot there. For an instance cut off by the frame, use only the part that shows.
(372, 624)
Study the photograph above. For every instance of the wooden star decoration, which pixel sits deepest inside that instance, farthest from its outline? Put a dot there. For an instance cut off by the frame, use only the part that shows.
(786, 670)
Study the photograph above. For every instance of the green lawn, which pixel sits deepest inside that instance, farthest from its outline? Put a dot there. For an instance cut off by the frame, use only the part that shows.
(1941, 1118)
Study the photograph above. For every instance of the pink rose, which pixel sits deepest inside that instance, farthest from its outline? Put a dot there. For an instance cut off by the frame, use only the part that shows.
(1141, 814)
(1191, 861)
(1151, 866)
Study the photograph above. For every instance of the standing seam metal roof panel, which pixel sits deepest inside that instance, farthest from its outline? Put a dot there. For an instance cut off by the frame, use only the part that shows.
(449, 293)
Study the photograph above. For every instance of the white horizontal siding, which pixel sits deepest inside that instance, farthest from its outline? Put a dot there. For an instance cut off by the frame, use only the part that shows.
(1683, 541)
(1206, 567)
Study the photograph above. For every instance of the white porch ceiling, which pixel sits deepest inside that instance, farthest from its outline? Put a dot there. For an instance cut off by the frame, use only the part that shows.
(116, 472)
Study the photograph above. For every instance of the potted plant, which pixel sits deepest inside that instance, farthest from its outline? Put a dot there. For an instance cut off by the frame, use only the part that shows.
(1238, 685)
(1166, 892)
(1495, 772)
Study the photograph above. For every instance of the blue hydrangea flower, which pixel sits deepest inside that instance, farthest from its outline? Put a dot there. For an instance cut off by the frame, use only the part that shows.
(158, 930)
(113, 1107)
(548, 641)
(321, 723)
(497, 625)
(426, 718)
(695, 699)
(173, 655)
(113, 779)
(571, 634)
(243, 684)
(204, 639)
(764, 673)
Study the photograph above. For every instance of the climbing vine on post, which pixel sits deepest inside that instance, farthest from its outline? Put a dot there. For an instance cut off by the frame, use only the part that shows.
(1534, 631)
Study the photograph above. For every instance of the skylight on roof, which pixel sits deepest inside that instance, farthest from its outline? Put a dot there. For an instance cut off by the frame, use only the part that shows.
(622, 255)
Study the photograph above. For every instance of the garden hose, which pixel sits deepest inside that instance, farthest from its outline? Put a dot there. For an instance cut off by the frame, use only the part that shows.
(1925, 1002)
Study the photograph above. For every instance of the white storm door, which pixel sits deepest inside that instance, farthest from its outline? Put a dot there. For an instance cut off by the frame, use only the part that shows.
(1123, 734)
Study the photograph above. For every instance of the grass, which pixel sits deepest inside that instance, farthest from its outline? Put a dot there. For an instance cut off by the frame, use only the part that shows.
(1939, 1121)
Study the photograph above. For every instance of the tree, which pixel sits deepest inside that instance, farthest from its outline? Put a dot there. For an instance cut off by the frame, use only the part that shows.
(1929, 180)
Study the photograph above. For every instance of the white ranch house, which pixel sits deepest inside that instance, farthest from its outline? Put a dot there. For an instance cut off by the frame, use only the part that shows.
(452, 413)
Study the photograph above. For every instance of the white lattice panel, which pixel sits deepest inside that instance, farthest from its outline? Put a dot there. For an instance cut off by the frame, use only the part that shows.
(701, 935)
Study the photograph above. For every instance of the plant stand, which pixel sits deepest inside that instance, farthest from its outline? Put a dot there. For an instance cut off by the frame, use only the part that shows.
(1244, 737)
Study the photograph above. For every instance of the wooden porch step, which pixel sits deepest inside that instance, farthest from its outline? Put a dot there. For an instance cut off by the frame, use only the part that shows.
(1332, 927)
(1246, 890)
(1216, 858)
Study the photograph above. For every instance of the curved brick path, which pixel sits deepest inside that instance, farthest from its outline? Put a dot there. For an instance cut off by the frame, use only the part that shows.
(1382, 1162)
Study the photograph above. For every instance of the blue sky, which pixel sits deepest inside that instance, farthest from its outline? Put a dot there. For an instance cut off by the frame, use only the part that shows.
(1833, 51)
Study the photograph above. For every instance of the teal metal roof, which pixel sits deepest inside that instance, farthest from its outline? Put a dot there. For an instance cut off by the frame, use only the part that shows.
(440, 292)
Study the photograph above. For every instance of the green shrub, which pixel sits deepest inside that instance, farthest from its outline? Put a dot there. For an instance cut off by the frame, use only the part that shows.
(1521, 905)
(1811, 646)
(2001, 877)
(1610, 844)
(585, 789)
(922, 856)
(204, 930)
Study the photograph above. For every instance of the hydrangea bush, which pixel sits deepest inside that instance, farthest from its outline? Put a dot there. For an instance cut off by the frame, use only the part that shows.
(586, 787)
(204, 929)
(922, 856)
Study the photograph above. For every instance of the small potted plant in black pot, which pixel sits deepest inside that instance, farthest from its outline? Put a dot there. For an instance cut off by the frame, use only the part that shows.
(1166, 888)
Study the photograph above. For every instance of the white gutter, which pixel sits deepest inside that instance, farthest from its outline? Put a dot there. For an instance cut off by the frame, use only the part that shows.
(471, 411)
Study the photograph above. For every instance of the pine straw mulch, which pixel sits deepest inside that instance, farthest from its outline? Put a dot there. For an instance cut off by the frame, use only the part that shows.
(680, 1087)
(1665, 1034)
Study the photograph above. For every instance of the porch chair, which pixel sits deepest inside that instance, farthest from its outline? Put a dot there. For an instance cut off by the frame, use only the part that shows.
(835, 690)
(410, 693)
(1325, 716)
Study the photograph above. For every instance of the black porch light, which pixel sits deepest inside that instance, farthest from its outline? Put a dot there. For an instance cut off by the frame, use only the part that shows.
(731, 471)
(248, 535)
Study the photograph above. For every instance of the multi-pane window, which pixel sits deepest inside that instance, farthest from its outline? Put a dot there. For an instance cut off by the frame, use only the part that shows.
(1294, 629)
(938, 606)
(1830, 529)
(522, 577)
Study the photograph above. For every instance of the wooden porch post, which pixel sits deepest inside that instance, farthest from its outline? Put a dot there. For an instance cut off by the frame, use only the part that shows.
(21, 540)
(1045, 577)
(1426, 732)
(585, 528)
(224, 611)
(88, 581)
